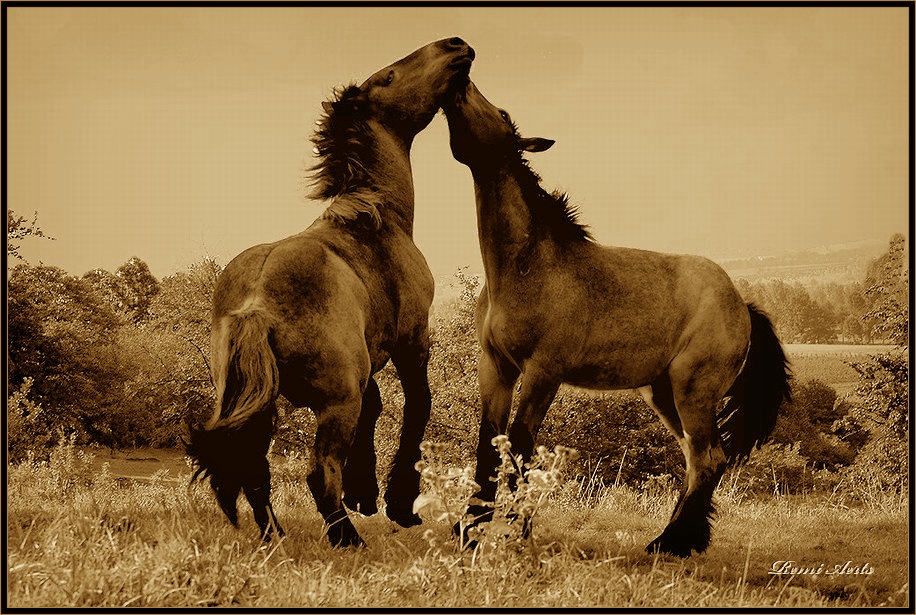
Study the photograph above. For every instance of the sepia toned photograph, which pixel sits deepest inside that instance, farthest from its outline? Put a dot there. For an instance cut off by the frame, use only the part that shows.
(457, 307)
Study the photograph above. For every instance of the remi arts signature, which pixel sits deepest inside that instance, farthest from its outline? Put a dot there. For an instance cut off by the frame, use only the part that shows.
(791, 567)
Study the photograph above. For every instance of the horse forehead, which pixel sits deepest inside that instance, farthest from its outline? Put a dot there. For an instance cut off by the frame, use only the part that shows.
(422, 54)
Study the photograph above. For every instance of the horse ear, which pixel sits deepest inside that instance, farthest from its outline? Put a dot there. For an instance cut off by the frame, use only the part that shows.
(534, 144)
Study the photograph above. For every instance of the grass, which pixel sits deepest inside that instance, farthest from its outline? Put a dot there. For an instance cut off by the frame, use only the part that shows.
(80, 537)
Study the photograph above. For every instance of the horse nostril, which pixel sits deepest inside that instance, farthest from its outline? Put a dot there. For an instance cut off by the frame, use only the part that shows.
(456, 42)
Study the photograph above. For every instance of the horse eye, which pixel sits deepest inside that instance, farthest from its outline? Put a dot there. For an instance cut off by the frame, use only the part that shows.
(390, 77)
(504, 115)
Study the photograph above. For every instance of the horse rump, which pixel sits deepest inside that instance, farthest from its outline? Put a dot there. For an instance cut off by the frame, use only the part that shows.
(750, 413)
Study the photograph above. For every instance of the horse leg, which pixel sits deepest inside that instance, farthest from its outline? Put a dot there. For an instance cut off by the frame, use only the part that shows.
(693, 394)
(257, 491)
(404, 479)
(496, 378)
(538, 392)
(333, 437)
(255, 480)
(359, 481)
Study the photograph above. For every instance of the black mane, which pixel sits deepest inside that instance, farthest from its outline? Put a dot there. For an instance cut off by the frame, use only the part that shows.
(344, 145)
(551, 210)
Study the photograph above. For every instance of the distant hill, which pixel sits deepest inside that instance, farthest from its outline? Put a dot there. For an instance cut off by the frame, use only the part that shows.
(841, 263)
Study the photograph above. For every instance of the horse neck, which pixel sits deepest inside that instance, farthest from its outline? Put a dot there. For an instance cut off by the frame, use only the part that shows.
(392, 178)
(504, 223)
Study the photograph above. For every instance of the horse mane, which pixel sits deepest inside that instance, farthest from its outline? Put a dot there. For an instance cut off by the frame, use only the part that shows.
(344, 144)
(355, 207)
(552, 211)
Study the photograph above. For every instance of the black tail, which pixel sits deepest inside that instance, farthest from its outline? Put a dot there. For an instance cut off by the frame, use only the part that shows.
(231, 448)
(749, 415)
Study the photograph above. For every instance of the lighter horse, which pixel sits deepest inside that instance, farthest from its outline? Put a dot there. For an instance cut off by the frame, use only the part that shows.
(558, 307)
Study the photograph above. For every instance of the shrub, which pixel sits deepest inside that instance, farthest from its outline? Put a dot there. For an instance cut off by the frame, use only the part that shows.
(619, 438)
(879, 418)
(28, 426)
(808, 421)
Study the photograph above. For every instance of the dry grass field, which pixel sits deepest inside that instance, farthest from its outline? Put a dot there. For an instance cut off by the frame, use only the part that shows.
(92, 529)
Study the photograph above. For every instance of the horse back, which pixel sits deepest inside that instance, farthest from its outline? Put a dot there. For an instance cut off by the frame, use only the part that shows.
(326, 287)
(608, 317)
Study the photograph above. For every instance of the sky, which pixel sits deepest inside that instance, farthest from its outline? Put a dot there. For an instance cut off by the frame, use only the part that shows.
(174, 134)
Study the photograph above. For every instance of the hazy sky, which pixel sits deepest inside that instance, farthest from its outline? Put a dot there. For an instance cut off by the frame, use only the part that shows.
(177, 133)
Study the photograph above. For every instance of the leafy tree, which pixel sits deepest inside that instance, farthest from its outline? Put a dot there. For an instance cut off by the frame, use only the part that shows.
(129, 291)
(879, 420)
(137, 288)
(887, 284)
(797, 317)
(64, 336)
(27, 425)
(17, 229)
(106, 285)
(617, 435)
(174, 348)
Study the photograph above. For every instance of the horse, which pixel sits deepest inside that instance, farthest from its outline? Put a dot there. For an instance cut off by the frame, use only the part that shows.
(557, 307)
(314, 316)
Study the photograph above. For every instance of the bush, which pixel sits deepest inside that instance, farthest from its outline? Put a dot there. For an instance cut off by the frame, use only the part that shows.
(808, 421)
(780, 469)
(619, 438)
(879, 419)
(65, 470)
(28, 426)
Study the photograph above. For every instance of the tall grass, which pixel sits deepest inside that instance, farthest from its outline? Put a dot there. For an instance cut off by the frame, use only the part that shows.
(80, 538)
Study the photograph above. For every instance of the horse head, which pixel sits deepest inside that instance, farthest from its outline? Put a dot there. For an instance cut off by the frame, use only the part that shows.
(407, 94)
(481, 134)
(399, 100)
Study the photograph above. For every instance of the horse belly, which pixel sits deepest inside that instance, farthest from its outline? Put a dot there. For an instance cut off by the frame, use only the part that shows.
(615, 373)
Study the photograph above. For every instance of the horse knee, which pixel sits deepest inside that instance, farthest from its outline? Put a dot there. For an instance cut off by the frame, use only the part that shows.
(706, 461)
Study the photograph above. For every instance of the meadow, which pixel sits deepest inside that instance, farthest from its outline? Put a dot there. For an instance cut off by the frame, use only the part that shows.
(92, 529)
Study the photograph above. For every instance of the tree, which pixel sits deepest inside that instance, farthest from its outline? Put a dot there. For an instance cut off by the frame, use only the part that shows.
(887, 284)
(137, 288)
(879, 421)
(174, 348)
(129, 290)
(64, 337)
(880, 416)
(797, 317)
(808, 421)
(17, 229)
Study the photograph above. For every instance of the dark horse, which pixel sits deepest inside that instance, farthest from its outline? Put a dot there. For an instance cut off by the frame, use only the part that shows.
(312, 317)
(558, 307)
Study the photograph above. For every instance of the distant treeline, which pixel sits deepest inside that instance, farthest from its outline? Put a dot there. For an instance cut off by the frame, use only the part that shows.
(121, 359)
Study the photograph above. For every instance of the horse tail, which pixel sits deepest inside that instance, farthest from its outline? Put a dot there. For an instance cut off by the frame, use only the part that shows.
(749, 415)
(244, 369)
(236, 438)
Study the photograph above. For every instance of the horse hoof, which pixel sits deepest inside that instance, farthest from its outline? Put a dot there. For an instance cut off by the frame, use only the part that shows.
(669, 545)
(345, 539)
